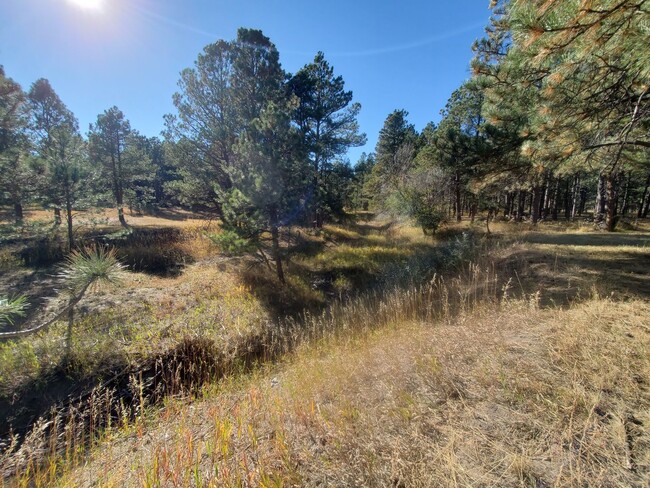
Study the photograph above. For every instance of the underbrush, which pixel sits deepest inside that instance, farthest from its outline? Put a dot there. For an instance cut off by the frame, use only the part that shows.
(242, 338)
(216, 322)
(189, 366)
(422, 390)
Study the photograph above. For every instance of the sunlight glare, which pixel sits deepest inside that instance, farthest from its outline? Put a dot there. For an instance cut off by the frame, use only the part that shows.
(88, 4)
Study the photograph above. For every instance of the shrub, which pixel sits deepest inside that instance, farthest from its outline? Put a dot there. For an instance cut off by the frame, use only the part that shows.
(229, 242)
(428, 217)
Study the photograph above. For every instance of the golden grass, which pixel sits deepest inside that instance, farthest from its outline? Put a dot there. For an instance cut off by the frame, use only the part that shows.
(392, 390)
(106, 218)
(516, 396)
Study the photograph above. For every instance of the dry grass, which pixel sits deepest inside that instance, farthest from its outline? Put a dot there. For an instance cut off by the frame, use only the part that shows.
(448, 384)
(106, 218)
(515, 396)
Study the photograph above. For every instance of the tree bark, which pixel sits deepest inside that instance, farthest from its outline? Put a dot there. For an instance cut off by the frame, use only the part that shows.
(118, 190)
(626, 194)
(68, 209)
(521, 206)
(275, 240)
(536, 203)
(18, 213)
(459, 210)
(57, 216)
(601, 199)
(576, 191)
(556, 200)
(642, 204)
(610, 220)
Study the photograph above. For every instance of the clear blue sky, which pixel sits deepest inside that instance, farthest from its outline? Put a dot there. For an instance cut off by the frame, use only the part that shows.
(392, 54)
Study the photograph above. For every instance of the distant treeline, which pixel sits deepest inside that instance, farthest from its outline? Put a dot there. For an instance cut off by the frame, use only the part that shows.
(554, 123)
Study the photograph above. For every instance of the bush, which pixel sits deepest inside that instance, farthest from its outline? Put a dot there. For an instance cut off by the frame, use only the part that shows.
(428, 217)
(231, 243)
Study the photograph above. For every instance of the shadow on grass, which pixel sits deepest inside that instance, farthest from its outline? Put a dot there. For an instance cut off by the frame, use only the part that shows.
(340, 264)
(572, 266)
(598, 240)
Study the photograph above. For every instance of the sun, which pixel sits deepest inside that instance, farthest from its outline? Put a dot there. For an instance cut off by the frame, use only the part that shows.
(88, 4)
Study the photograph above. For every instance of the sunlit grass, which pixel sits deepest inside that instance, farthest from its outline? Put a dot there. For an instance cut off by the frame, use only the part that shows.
(362, 382)
(425, 397)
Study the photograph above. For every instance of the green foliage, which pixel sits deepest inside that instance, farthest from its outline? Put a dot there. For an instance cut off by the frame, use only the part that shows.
(231, 243)
(328, 125)
(427, 216)
(90, 268)
(10, 308)
(17, 171)
(121, 153)
(394, 158)
(55, 134)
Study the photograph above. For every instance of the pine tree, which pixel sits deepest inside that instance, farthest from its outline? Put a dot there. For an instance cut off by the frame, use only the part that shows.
(327, 121)
(117, 150)
(395, 155)
(218, 99)
(56, 137)
(585, 86)
(16, 171)
(268, 181)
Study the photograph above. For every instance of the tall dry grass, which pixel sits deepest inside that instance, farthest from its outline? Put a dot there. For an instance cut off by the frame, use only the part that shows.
(64, 437)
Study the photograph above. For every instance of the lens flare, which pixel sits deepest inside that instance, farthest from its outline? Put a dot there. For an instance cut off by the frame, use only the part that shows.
(88, 4)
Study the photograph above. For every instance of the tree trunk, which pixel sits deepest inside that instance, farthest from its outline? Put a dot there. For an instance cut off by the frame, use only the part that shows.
(601, 199)
(120, 216)
(568, 198)
(275, 239)
(642, 204)
(583, 201)
(545, 205)
(68, 209)
(536, 203)
(626, 195)
(610, 221)
(556, 200)
(521, 206)
(576, 192)
(57, 216)
(18, 213)
(459, 210)
(118, 190)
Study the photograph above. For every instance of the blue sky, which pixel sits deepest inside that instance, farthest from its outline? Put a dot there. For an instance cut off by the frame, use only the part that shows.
(391, 54)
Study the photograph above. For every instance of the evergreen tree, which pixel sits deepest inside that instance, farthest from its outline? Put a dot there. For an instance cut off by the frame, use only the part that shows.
(327, 121)
(574, 73)
(219, 98)
(268, 181)
(57, 140)
(361, 198)
(395, 155)
(458, 142)
(16, 171)
(118, 151)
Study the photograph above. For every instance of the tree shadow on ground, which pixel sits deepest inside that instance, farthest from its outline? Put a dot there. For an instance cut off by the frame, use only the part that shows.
(588, 239)
(570, 266)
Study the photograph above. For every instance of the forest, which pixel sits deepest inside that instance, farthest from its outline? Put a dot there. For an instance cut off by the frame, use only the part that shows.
(243, 236)
(550, 127)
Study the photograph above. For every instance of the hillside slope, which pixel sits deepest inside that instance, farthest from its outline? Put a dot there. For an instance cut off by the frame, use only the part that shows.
(508, 392)
(495, 398)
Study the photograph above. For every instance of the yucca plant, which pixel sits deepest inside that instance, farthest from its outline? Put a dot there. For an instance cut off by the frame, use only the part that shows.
(87, 269)
(10, 308)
